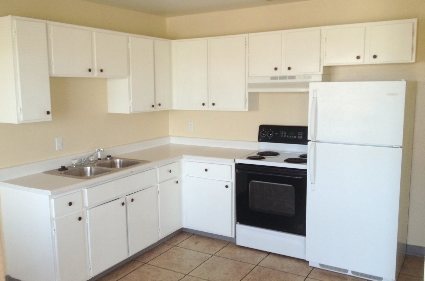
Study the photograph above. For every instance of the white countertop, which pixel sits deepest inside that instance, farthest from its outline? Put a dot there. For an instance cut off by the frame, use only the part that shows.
(160, 155)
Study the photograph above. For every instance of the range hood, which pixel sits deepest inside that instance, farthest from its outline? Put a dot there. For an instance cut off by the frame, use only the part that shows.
(279, 84)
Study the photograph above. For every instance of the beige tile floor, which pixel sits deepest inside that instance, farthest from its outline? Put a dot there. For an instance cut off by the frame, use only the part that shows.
(190, 257)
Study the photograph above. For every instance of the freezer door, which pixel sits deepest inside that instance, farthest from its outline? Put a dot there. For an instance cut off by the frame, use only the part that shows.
(370, 113)
(352, 207)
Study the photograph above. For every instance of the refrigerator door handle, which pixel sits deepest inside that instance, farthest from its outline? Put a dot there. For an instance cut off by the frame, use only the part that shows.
(313, 117)
(312, 164)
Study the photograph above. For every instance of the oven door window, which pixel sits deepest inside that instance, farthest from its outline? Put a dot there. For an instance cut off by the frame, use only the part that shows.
(272, 198)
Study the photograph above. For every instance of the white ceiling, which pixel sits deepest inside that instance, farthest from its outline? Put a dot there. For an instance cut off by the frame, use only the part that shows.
(170, 8)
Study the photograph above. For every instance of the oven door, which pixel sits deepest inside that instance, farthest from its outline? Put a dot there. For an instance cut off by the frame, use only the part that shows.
(271, 197)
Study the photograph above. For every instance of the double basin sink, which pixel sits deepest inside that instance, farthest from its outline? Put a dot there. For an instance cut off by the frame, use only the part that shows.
(97, 168)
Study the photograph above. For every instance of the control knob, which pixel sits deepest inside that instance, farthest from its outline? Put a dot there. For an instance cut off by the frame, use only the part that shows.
(270, 134)
(263, 134)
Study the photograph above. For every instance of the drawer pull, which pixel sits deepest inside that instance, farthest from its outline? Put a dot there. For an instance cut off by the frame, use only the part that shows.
(122, 204)
(169, 171)
(177, 181)
(89, 69)
(70, 204)
(226, 186)
(80, 218)
(132, 199)
(358, 57)
(206, 170)
(275, 69)
(101, 70)
(375, 56)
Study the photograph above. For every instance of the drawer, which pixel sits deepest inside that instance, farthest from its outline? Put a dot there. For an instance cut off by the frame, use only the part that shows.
(209, 170)
(123, 186)
(168, 171)
(67, 204)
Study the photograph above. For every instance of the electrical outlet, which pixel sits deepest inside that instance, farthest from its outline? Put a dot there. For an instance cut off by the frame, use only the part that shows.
(191, 126)
(59, 143)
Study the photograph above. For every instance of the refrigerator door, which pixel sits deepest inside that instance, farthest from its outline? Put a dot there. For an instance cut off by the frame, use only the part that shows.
(369, 113)
(352, 207)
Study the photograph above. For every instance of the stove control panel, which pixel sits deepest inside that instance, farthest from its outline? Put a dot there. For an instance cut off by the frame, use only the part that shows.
(283, 134)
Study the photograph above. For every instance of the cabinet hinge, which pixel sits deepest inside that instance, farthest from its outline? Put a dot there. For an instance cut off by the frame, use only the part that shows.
(14, 32)
(20, 110)
(89, 266)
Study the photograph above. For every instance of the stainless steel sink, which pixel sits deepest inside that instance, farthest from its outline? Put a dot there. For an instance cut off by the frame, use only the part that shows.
(119, 163)
(85, 172)
(97, 169)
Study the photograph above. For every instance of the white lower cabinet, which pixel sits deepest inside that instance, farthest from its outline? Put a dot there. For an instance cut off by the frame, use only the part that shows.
(71, 251)
(142, 219)
(209, 197)
(208, 205)
(170, 207)
(107, 235)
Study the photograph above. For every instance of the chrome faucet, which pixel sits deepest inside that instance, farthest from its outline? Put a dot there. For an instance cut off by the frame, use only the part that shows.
(98, 151)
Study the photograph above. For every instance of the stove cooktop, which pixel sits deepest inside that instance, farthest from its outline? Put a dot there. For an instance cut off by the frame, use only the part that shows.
(280, 146)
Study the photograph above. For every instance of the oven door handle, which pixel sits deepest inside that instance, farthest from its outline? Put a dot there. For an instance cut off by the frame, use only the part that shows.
(267, 174)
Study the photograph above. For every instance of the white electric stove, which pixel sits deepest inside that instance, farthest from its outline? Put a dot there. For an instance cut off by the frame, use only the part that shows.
(271, 191)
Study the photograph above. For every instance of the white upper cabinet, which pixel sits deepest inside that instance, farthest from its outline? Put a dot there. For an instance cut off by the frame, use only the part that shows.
(162, 50)
(265, 54)
(82, 52)
(344, 45)
(148, 87)
(302, 52)
(142, 79)
(288, 52)
(24, 69)
(370, 43)
(227, 73)
(190, 74)
(71, 51)
(111, 52)
(210, 73)
(392, 42)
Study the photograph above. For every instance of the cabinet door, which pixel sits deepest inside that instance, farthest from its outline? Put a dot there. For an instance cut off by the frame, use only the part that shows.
(142, 80)
(345, 45)
(265, 54)
(162, 74)
(71, 51)
(302, 52)
(107, 235)
(71, 251)
(111, 55)
(142, 218)
(391, 43)
(227, 71)
(190, 74)
(208, 205)
(169, 207)
(33, 71)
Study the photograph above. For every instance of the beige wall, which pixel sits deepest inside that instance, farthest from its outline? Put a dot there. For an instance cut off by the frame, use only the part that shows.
(284, 108)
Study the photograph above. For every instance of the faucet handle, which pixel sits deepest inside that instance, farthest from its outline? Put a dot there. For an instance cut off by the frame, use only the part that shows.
(99, 155)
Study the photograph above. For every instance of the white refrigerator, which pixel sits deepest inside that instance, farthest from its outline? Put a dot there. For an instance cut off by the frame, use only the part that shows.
(359, 176)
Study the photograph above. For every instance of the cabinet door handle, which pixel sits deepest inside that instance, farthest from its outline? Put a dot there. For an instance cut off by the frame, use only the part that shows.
(289, 68)
(122, 204)
(206, 170)
(101, 70)
(89, 69)
(358, 57)
(70, 204)
(177, 181)
(48, 112)
(132, 199)
(153, 105)
(213, 104)
(169, 171)
(275, 69)
(159, 104)
(375, 56)
(226, 186)
(203, 104)
(80, 218)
